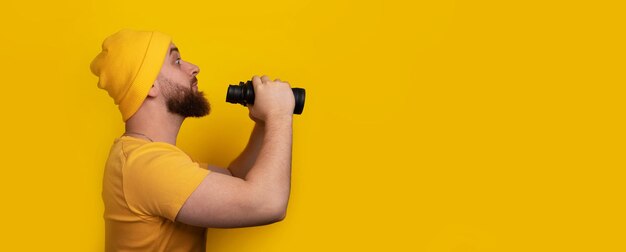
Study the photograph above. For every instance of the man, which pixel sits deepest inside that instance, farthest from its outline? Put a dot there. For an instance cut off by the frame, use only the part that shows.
(156, 197)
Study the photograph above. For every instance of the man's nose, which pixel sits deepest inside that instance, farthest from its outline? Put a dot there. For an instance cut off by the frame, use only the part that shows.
(195, 70)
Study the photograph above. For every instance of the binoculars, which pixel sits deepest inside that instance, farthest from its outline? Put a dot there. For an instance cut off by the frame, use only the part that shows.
(244, 95)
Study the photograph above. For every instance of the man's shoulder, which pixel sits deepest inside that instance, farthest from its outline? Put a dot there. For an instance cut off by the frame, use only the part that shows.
(140, 149)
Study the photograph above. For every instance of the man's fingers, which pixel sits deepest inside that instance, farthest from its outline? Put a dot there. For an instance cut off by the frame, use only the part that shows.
(256, 80)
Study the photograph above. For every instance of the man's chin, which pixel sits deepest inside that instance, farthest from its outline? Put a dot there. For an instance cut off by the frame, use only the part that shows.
(199, 113)
(188, 103)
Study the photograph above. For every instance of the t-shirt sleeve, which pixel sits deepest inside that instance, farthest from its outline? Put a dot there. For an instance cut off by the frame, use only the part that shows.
(158, 179)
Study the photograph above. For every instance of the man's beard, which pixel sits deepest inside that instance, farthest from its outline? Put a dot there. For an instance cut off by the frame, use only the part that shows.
(184, 101)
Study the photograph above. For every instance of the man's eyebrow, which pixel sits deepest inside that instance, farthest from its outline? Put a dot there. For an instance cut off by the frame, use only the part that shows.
(174, 49)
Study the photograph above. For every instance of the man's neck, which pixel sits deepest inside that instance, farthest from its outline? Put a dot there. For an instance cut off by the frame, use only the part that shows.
(155, 127)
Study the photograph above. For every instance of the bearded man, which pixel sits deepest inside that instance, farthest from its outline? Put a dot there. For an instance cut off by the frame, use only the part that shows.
(156, 197)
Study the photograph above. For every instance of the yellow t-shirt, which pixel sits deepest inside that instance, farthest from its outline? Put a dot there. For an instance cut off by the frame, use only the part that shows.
(145, 185)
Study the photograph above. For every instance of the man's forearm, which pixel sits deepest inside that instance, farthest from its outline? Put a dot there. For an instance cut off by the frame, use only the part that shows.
(244, 162)
(271, 172)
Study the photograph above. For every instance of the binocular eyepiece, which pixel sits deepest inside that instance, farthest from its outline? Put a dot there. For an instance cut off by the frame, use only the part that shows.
(244, 95)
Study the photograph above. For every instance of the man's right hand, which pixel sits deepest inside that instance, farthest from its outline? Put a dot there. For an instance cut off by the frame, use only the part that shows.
(273, 100)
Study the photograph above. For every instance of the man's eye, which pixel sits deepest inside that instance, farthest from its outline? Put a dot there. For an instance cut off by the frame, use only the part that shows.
(177, 61)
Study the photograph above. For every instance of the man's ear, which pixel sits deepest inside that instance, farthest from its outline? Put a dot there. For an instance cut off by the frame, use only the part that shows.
(154, 92)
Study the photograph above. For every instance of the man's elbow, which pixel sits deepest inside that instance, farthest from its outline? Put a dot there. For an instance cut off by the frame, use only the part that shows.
(274, 211)
(280, 214)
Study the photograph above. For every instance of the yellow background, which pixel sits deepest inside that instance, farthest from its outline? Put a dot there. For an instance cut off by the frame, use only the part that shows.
(429, 125)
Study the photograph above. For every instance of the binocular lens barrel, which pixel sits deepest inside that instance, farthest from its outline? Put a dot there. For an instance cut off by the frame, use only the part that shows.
(244, 95)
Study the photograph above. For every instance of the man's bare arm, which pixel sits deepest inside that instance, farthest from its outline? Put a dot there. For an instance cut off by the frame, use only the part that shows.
(244, 162)
(261, 198)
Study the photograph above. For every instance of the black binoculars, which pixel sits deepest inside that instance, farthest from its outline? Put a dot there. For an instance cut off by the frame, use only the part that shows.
(244, 95)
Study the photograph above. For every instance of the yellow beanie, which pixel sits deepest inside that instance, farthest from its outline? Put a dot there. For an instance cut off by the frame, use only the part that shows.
(128, 65)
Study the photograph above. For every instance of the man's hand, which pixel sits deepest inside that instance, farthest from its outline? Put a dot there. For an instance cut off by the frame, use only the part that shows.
(273, 99)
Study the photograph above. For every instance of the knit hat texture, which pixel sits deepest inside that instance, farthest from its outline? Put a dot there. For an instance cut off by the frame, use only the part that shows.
(128, 65)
